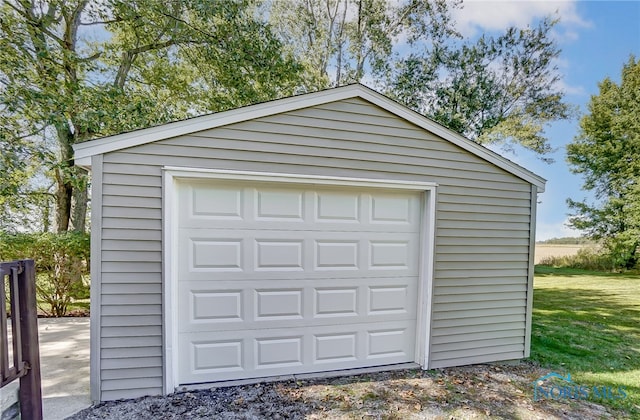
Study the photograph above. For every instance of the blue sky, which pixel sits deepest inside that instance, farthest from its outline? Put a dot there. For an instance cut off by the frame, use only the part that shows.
(596, 38)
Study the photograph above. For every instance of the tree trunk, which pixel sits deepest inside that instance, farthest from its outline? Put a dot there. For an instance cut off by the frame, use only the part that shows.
(79, 201)
(46, 210)
(63, 176)
(63, 196)
(632, 260)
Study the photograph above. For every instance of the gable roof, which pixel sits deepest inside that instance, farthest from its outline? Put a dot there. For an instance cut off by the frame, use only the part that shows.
(84, 151)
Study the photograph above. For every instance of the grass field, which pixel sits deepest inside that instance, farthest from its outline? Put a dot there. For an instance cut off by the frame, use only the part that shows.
(588, 324)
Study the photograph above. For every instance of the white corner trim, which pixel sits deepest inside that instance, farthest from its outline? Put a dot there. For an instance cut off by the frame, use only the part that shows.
(95, 344)
(531, 271)
(172, 174)
(425, 285)
(84, 162)
(169, 280)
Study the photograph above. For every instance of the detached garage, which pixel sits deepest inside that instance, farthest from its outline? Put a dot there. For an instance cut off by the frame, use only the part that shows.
(323, 232)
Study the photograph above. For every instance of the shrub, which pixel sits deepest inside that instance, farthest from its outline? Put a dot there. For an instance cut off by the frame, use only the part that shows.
(62, 265)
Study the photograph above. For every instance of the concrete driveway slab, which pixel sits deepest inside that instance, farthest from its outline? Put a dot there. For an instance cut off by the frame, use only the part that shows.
(64, 363)
(64, 366)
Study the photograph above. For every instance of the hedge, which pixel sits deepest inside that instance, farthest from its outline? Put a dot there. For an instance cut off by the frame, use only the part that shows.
(62, 265)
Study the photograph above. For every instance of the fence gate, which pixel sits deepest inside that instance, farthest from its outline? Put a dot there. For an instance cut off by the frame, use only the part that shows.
(18, 291)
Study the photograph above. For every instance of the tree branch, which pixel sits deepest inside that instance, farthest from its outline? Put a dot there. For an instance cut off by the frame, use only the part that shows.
(31, 20)
(90, 58)
(101, 22)
(129, 57)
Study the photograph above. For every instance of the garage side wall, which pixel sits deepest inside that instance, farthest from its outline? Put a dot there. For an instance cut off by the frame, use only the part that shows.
(482, 229)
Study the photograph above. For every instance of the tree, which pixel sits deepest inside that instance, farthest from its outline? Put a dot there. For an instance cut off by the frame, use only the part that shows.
(503, 89)
(71, 70)
(606, 152)
(343, 41)
(75, 70)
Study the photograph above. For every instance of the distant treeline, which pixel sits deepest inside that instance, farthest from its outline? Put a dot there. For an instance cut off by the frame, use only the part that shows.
(567, 241)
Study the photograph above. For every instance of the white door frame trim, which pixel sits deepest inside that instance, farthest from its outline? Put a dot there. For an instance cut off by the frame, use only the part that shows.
(171, 174)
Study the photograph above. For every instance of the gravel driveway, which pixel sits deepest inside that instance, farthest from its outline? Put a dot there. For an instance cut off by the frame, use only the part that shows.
(471, 392)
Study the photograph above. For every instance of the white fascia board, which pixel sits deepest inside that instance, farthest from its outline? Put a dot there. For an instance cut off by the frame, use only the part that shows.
(207, 122)
(453, 137)
(84, 162)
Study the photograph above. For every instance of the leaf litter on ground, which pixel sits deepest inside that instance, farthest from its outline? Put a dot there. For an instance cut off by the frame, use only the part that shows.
(470, 392)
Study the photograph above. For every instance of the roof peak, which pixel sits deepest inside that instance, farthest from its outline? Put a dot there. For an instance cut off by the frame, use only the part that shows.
(84, 151)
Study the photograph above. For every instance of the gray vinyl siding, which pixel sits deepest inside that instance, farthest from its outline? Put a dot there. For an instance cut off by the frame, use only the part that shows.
(482, 228)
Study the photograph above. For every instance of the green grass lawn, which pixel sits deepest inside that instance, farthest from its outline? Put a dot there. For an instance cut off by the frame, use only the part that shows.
(588, 324)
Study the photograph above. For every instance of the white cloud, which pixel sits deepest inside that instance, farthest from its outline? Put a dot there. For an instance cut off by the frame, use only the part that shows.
(490, 15)
(546, 231)
(571, 90)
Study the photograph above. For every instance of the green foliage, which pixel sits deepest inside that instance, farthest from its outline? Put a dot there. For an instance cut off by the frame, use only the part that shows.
(21, 200)
(585, 259)
(62, 265)
(606, 153)
(496, 90)
(341, 41)
(75, 70)
(567, 241)
(500, 89)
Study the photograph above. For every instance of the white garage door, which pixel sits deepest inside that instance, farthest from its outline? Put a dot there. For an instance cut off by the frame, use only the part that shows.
(276, 280)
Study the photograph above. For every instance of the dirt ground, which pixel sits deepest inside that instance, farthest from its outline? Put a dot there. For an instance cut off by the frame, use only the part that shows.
(470, 392)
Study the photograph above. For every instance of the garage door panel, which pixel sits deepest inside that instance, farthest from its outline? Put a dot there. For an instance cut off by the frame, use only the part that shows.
(335, 302)
(337, 207)
(205, 205)
(393, 209)
(216, 254)
(279, 205)
(248, 354)
(226, 307)
(391, 254)
(279, 254)
(278, 304)
(216, 305)
(252, 252)
(390, 299)
(216, 356)
(336, 254)
(277, 280)
(213, 202)
(385, 343)
(335, 347)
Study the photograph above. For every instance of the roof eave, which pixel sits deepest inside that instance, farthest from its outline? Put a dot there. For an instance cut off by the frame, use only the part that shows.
(84, 151)
(455, 138)
(209, 121)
